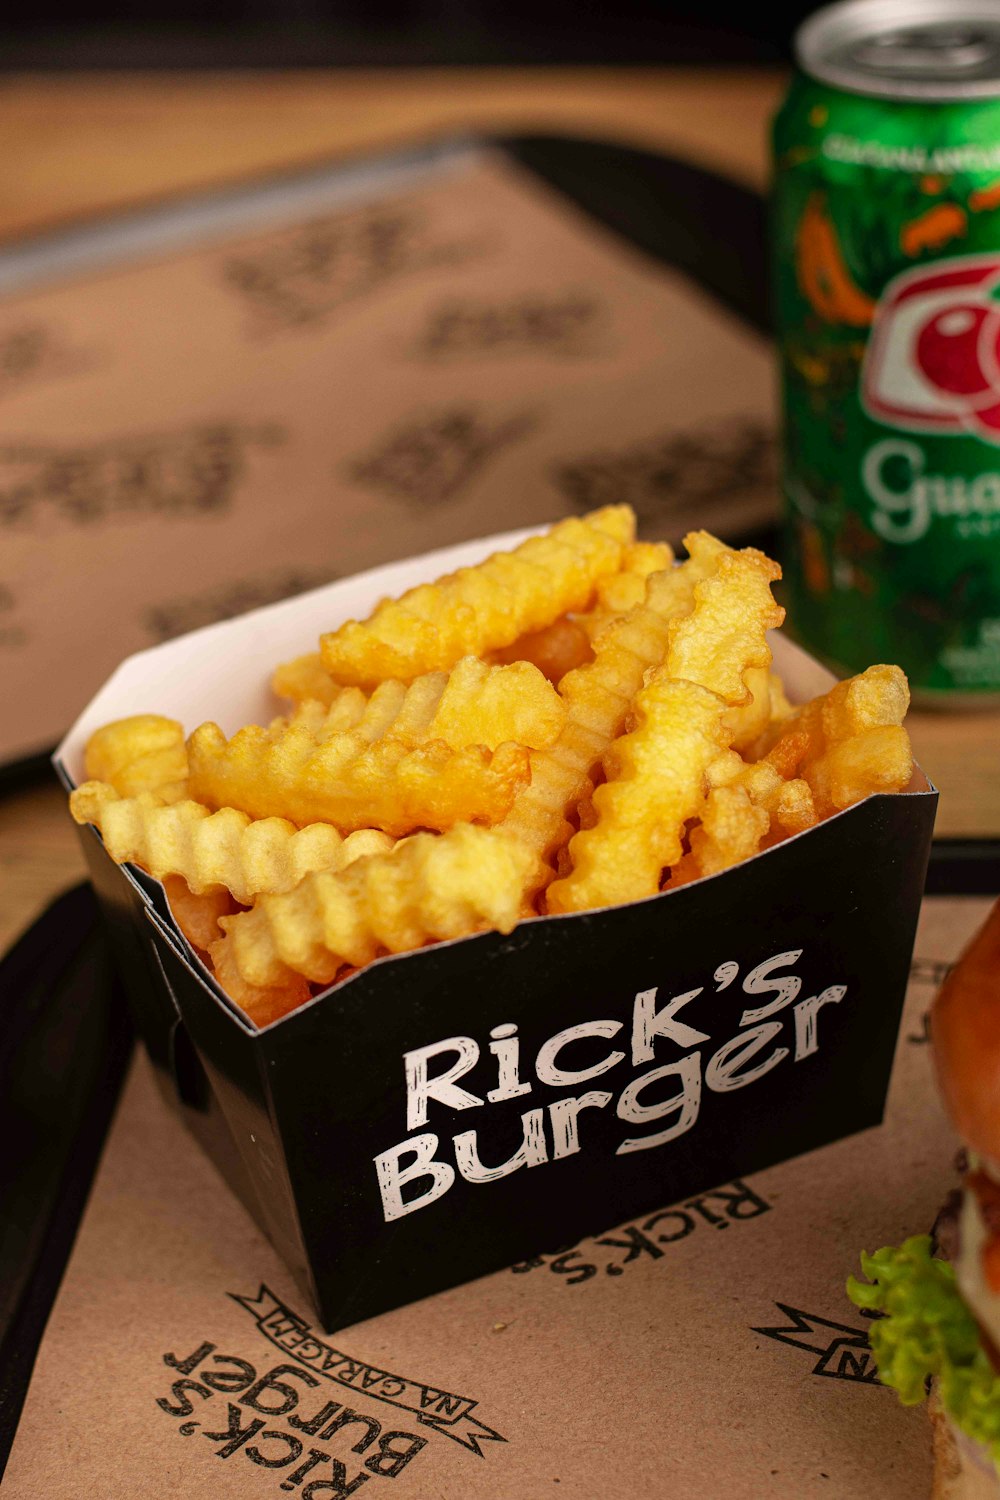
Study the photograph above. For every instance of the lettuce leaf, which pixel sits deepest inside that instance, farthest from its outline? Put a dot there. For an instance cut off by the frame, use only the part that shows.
(927, 1330)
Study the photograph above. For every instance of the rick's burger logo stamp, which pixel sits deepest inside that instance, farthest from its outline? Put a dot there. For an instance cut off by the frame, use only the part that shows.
(198, 470)
(301, 277)
(430, 460)
(324, 1422)
(659, 1102)
(442, 1411)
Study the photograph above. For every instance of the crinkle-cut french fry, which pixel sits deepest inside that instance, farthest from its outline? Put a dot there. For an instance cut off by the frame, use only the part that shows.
(850, 742)
(876, 760)
(262, 1004)
(793, 810)
(732, 828)
(795, 742)
(620, 592)
(431, 887)
(304, 678)
(779, 708)
(878, 697)
(197, 916)
(799, 733)
(216, 849)
(788, 804)
(726, 632)
(345, 712)
(748, 722)
(350, 783)
(757, 725)
(143, 753)
(767, 783)
(750, 806)
(482, 608)
(555, 649)
(656, 782)
(657, 774)
(473, 704)
(490, 705)
(598, 698)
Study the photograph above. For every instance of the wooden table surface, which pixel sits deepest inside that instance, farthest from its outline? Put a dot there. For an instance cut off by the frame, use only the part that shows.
(77, 146)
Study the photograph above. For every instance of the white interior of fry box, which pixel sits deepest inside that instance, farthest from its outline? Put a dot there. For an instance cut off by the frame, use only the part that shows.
(222, 672)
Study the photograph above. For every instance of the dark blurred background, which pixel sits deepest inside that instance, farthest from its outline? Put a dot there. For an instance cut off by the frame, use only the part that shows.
(302, 33)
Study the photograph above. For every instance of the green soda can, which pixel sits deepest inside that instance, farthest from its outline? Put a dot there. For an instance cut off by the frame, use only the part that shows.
(887, 240)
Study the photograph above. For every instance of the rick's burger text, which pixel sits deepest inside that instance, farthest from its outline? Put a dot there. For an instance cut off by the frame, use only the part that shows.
(659, 1063)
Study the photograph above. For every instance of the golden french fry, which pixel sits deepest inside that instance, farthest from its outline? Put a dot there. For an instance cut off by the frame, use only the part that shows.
(347, 710)
(429, 888)
(779, 707)
(143, 753)
(555, 649)
(598, 698)
(849, 742)
(877, 697)
(197, 916)
(620, 592)
(750, 805)
(797, 738)
(473, 704)
(491, 705)
(793, 810)
(350, 783)
(304, 678)
(656, 782)
(263, 1004)
(682, 873)
(481, 609)
(725, 633)
(738, 820)
(748, 722)
(876, 760)
(210, 850)
(731, 829)
(657, 774)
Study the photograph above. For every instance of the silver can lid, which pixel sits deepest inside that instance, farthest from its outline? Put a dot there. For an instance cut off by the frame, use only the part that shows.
(905, 49)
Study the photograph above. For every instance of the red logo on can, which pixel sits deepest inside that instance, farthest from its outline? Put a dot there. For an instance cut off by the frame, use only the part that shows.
(933, 359)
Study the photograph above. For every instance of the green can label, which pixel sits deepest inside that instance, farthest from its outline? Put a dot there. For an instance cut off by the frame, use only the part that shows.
(888, 299)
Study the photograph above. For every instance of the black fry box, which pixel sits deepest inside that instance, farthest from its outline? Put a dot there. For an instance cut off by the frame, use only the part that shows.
(444, 1113)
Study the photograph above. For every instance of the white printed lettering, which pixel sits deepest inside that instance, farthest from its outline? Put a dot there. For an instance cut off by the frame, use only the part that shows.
(545, 1062)
(420, 1088)
(685, 1103)
(563, 1116)
(806, 1042)
(392, 1178)
(649, 1023)
(759, 982)
(506, 1048)
(722, 1073)
(531, 1152)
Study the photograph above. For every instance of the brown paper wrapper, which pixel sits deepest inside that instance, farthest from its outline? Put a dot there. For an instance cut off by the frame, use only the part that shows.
(706, 1349)
(212, 428)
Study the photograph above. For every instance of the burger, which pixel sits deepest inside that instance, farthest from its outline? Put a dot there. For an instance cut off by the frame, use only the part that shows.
(935, 1299)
